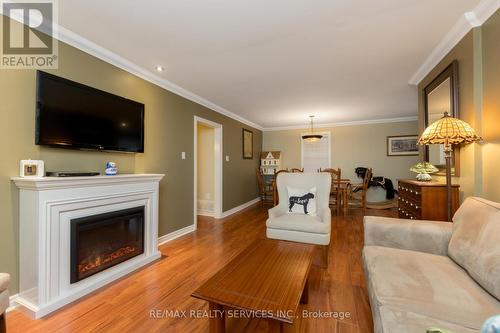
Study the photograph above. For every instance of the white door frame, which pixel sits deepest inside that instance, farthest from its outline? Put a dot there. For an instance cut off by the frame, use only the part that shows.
(329, 147)
(217, 166)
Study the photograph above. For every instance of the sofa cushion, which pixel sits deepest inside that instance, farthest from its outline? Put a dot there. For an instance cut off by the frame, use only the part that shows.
(299, 222)
(4, 301)
(4, 281)
(396, 321)
(475, 242)
(426, 284)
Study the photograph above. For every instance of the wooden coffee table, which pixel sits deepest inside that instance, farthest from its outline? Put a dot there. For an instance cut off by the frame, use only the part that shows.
(266, 280)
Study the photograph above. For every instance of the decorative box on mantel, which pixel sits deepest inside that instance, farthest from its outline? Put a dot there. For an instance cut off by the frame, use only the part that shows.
(77, 234)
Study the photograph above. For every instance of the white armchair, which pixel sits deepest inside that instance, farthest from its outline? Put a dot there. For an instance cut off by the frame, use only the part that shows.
(300, 227)
(4, 299)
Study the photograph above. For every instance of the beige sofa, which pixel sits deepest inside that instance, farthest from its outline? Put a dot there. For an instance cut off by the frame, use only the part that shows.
(423, 274)
(4, 299)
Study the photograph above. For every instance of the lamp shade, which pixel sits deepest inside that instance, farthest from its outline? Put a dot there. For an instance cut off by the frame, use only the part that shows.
(448, 131)
(312, 137)
(424, 167)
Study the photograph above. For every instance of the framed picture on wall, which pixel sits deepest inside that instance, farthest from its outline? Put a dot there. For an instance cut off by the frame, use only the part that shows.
(247, 144)
(402, 145)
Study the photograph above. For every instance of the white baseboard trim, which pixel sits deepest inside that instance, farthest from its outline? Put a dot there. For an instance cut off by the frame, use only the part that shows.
(12, 302)
(205, 213)
(238, 208)
(205, 207)
(176, 234)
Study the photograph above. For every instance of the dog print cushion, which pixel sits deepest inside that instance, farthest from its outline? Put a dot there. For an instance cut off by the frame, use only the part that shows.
(301, 201)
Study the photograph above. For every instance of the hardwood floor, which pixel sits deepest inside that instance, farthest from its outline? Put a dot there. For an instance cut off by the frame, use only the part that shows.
(140, 301)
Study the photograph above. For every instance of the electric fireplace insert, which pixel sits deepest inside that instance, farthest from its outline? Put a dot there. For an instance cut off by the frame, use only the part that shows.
(102, 241)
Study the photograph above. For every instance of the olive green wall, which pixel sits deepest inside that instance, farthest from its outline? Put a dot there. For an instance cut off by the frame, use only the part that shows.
(491, 107)
(479, 105)
(169, 125)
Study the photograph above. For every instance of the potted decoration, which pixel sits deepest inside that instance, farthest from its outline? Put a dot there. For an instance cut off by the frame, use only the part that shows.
(423, 170)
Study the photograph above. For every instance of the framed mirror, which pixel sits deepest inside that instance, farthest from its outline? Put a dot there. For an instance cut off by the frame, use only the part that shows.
(440, 96)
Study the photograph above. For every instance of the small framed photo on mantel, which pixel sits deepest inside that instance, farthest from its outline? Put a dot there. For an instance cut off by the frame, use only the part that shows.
(31, 168)
(402, 145)
(247, 137)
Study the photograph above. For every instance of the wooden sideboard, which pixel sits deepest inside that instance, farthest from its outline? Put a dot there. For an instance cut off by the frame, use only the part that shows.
(425, 200)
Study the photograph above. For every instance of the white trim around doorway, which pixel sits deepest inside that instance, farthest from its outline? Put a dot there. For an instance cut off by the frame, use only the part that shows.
(217, 167)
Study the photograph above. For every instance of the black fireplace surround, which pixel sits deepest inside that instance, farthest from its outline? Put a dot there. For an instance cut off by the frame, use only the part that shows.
(102, 241)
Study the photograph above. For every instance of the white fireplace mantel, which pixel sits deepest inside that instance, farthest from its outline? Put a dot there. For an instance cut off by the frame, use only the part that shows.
(46, 207)
(46, 183)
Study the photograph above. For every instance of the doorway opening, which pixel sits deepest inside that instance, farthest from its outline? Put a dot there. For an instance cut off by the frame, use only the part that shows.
(207, 168)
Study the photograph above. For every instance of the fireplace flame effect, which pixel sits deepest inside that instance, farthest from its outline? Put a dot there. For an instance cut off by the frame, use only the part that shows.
(91, 263)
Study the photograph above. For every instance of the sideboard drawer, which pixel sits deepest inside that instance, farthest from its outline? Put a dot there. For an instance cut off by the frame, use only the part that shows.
(410, 192)
(409, 209)
(425, 200)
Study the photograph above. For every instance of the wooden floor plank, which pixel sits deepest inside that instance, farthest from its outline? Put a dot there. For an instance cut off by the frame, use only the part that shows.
(137, 302)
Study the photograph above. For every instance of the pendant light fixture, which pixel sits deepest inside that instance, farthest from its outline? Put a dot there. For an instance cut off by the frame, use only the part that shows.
(312, 137)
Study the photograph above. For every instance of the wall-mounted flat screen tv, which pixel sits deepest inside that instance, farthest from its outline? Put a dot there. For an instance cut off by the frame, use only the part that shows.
(73, 115)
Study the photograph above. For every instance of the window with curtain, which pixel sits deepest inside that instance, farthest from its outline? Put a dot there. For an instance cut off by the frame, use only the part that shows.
(316, 155)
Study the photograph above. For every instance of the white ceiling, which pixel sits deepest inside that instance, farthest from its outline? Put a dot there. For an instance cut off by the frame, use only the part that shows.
(275, 62)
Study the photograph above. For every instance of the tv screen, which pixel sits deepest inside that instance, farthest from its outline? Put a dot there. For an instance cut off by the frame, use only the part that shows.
(73, 115)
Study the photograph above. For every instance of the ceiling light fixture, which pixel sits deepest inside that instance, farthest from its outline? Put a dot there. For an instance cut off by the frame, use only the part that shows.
(312, 137)
(160, 68)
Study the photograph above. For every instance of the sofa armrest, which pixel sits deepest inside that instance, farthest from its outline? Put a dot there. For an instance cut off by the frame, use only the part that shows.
(4, 281)
(423, 236)
(276, 211)
(325, 215)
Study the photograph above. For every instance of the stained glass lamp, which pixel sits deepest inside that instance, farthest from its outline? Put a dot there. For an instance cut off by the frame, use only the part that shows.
(448, 131)
(423, 169)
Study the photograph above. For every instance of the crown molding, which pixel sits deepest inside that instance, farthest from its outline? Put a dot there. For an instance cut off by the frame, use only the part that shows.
(348, 123)
(484, 10)
(465, 23)
(69, 37)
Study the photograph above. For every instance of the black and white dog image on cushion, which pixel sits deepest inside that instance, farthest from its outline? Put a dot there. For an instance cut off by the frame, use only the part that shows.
(303, 200)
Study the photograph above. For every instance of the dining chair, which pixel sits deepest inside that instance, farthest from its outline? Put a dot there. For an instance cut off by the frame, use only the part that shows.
(266, 191)
(335, 190)
(275, 189)
(357, 193)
